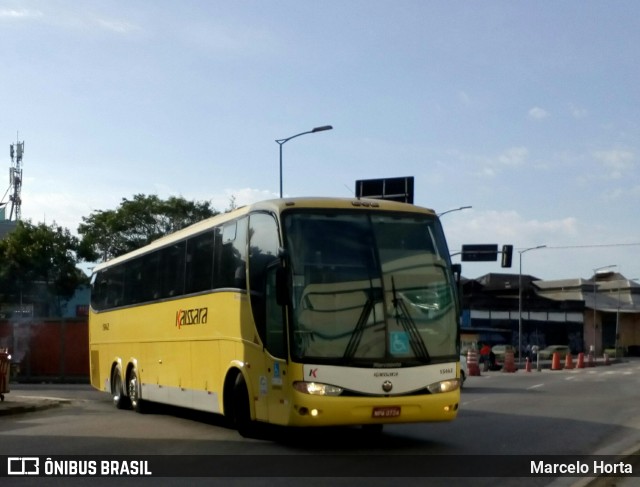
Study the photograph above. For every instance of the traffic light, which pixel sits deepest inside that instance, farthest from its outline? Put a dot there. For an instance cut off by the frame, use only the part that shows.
(507, 255)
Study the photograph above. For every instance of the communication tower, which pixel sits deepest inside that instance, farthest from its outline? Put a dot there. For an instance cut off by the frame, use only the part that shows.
(15, 179)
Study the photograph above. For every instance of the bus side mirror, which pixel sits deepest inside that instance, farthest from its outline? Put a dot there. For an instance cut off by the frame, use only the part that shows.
(457, 271)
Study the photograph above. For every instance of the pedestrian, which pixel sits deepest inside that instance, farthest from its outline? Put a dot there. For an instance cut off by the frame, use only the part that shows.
(485, 353)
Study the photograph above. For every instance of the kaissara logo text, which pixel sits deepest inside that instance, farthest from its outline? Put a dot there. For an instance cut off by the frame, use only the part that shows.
(195, 316)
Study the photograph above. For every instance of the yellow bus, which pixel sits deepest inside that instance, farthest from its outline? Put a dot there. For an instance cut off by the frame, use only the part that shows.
(300, 312)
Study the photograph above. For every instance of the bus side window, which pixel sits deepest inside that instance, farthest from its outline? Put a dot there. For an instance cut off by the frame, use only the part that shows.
(232, 256)
(99, 291)
(115, 286)
(199, 263)
(172, 260)
(152, 269)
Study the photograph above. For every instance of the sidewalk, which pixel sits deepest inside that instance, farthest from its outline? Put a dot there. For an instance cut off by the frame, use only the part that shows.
(17, 404)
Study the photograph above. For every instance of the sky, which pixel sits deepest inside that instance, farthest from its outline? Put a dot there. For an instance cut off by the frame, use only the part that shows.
(529, 112)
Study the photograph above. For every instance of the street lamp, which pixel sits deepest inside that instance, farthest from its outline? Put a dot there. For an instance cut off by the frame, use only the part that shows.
(282, 141)
(595, 288)
(520, 301)
(455, 209)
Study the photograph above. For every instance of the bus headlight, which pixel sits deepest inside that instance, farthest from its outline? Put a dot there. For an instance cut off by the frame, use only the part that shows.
(317, 388)
(444, 386)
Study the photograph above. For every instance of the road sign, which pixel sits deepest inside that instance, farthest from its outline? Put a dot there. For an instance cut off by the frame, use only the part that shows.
(394, 189)
(480, 253)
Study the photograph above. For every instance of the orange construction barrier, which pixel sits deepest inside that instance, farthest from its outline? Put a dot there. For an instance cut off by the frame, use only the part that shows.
(580, 364)
(509, 363)
(568, 362)
(472, 363)
(555, 362)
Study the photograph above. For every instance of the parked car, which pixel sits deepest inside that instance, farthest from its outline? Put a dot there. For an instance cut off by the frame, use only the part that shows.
(500, 350)
(547, 353)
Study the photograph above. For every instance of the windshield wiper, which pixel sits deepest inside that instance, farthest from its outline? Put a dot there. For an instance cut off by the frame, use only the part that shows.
(404, 318)
(373, 295)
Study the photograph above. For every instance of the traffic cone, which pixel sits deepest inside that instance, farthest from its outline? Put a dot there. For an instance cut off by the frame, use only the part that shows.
(555, 363)
(472, 363)
(568, 362)
(580, 361)
(606, 359)
(527, 365)
(590, 361)
(509, 362)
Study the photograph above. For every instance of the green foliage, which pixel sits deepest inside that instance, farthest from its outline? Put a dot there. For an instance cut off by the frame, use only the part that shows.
(39, 257)
(38, 263)
(135, 223)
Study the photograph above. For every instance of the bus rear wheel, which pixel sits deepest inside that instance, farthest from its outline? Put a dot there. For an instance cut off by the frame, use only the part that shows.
(120, 400)
(134, 392)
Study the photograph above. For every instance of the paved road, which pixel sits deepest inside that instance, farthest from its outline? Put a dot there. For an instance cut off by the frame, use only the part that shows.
(577, 412)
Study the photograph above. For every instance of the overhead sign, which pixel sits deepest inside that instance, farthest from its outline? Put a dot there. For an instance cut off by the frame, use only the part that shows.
(393, 189)
(480, 253)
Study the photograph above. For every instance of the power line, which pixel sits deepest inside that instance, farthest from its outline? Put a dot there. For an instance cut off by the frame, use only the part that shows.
(589, 246)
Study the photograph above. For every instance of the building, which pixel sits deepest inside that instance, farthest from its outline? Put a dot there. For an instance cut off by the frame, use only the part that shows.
(612, 309)
(602, 312)
(6, 226)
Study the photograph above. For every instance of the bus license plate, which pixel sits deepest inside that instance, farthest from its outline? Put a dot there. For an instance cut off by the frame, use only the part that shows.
(386, 412)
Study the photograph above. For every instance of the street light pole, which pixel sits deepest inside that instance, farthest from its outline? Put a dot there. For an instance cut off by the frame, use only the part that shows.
(282, 141)
(455, 209)
(520, 301)
(595, 296)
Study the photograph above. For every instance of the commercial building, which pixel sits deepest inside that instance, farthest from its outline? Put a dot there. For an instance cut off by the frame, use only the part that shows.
(602, 312)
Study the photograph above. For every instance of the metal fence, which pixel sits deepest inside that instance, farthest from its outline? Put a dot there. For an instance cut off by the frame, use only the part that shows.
(47, 350)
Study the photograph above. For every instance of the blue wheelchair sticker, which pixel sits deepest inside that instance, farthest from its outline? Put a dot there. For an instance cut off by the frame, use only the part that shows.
(276, 370)
(399, 343)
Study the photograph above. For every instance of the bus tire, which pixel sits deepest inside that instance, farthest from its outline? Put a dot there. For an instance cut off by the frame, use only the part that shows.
(134, 392)
(241, 408)
(120, 400)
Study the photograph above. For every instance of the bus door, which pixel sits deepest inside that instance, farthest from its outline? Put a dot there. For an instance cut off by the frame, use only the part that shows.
(268, 315)
(276, 366)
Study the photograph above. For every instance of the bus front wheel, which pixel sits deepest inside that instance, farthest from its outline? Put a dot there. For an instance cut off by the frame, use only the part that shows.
(241, 409)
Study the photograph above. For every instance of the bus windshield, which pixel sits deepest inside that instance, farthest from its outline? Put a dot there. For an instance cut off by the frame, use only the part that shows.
(370, 289)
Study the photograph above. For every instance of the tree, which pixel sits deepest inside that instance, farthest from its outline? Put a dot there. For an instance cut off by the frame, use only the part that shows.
(36, 260)
(135, 223)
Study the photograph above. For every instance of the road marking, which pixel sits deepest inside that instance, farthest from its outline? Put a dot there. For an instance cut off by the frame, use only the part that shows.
(535, 386)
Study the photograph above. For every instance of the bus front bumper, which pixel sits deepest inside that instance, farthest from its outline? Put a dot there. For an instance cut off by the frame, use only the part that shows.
(311, 410)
